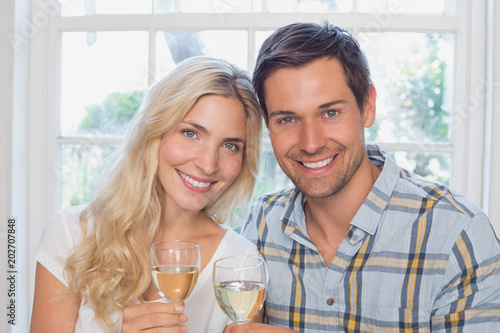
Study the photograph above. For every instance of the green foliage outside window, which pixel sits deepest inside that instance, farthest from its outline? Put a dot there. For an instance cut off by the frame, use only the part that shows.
(420, 113)
(423, 113)
(113, 114)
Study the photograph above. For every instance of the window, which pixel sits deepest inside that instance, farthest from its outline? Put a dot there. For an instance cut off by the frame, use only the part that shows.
(92, 60)
(107, 64)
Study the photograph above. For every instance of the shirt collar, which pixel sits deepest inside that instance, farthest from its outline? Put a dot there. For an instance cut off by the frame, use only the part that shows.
(368, 216)
(293, 220)
(370, 213)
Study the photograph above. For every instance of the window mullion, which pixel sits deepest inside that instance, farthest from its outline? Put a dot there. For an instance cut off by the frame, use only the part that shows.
(90, 140)
(251, 49)
(390, 21)
(152, 57)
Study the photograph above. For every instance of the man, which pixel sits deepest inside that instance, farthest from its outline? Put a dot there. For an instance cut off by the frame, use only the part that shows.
(360, 244)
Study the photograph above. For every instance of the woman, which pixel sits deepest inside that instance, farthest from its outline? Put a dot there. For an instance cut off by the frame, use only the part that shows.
(190, 158)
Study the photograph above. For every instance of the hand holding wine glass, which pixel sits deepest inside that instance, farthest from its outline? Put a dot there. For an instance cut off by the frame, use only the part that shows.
(146, 316)
(240, 284)
(175, 266)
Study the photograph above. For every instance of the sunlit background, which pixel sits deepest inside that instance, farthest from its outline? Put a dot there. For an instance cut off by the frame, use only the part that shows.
(75, 71)
(104, 75)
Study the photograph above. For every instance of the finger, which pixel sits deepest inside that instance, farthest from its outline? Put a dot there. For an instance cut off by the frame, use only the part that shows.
(227, 329)
(153, 320)
(138, 310)
(172, 329)
(234, 328)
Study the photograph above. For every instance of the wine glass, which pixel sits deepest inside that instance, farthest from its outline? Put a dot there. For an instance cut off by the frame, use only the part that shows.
(175, 266)
(240, 284)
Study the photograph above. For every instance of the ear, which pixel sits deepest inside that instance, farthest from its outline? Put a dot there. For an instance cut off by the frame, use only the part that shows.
(369, 108)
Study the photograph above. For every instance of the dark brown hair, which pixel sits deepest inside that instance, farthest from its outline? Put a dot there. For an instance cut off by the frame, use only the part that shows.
(299, 44)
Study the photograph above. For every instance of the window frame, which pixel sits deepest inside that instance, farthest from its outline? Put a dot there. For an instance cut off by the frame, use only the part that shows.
(464, 179)
(473, 156)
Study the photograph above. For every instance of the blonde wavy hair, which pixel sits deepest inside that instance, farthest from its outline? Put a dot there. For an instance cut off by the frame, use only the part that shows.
(110, 268)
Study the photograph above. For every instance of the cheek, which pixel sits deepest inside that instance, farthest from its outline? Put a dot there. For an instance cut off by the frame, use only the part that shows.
(355, 136)
(279, 144)
(172, 154)
(347, 135)
(232, 168)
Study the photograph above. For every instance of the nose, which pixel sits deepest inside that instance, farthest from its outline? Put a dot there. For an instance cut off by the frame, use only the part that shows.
(312, 137)
(207, 159)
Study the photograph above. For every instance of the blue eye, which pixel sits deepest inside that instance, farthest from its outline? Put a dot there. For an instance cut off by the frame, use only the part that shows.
(231, 146)
(287, 120)
(189, 133)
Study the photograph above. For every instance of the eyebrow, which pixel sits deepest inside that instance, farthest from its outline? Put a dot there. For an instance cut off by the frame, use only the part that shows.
(278, 113)
(239, 140)
(207, 132)
(332, 103)
(198, 127)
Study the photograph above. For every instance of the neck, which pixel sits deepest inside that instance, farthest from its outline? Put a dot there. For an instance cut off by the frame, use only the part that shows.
(175, 224)
(332, 215)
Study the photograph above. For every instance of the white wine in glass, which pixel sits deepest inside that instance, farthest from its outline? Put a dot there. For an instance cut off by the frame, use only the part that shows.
(175, 266)
(240, 284)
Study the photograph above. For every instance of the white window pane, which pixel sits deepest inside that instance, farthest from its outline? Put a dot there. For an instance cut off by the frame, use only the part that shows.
(92, 7)
(220, 6)
(270, 176)
(95, 66)
(228, 45)
(122, 6)
(409, 6)
(72, 8)
(260, 37)
(433, 166)
(81, 172)
(173, 47)
(163, 6)
(309, 6)
(413, 74)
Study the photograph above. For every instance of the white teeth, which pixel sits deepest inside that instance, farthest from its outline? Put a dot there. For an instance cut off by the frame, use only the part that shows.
(193, 182)
(317, 165)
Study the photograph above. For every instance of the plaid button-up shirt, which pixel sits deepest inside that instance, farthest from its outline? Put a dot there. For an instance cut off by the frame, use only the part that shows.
(416, 258)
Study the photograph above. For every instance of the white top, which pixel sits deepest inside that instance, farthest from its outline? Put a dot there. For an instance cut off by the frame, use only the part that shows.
(63, 233)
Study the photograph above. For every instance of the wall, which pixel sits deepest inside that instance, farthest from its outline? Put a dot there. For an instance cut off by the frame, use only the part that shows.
(14, 66)
(494, 122)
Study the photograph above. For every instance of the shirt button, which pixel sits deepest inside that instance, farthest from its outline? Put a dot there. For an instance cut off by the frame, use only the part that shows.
(329, 301)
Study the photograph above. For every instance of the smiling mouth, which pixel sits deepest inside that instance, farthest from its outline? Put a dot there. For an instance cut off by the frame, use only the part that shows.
(317, 165)
(194, 182)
